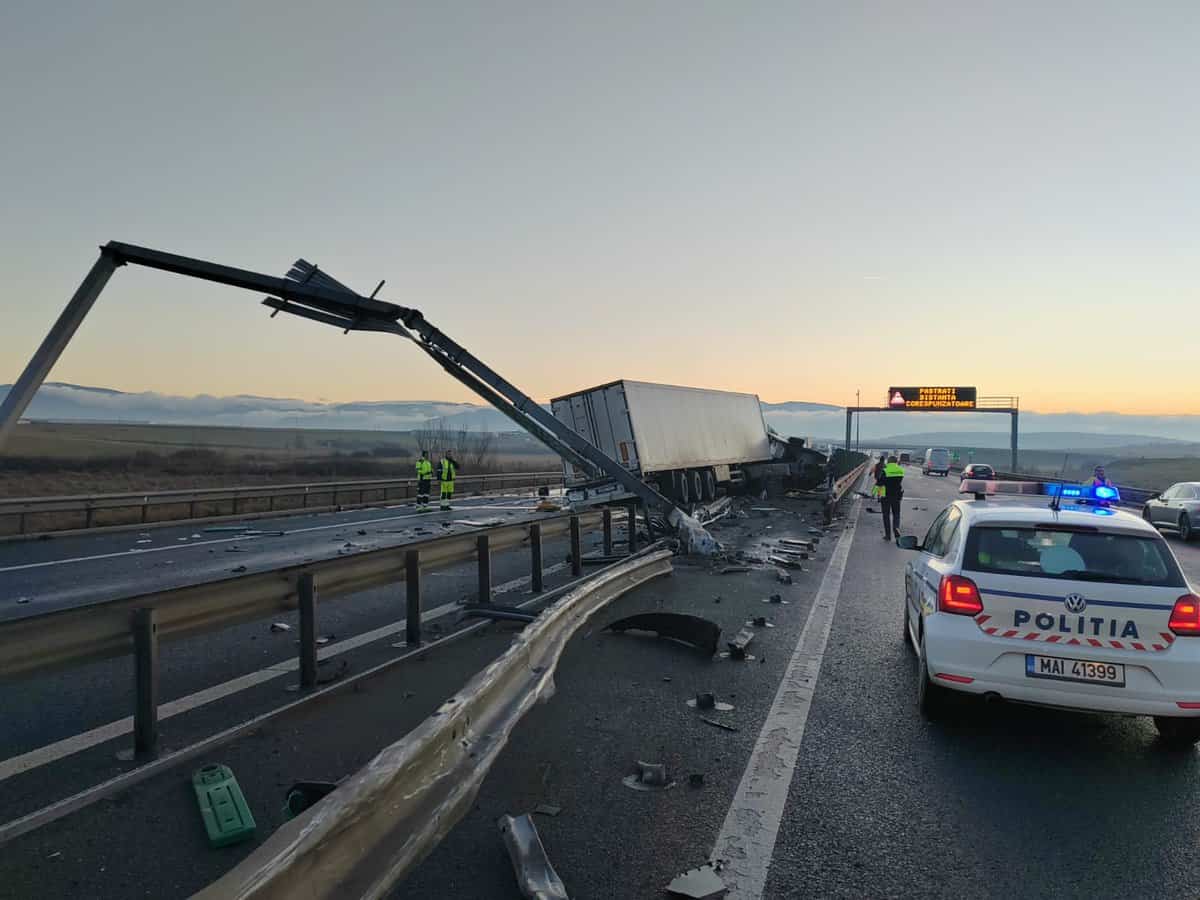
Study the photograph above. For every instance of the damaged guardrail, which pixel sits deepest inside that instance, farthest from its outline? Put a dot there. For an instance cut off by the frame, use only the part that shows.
(382, 821)
(841, 486)
(51, 641)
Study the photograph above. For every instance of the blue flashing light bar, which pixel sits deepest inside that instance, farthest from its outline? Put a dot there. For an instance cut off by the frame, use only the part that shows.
(1083, 493)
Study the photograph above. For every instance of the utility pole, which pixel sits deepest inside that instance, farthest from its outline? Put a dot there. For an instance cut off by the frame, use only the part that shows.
(858, 423)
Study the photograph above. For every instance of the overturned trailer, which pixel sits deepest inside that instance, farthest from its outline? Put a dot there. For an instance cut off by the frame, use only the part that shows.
(687, 443)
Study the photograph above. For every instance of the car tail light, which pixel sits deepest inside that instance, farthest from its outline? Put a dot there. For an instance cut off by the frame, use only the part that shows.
(960, 596)
(1185, 617)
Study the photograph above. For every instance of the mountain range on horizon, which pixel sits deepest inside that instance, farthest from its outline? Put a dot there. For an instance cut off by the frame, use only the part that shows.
(63, 402)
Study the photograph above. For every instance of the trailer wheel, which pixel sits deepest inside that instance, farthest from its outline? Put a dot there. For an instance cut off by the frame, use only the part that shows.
(697, 485)
(682, 492)
(710, 485)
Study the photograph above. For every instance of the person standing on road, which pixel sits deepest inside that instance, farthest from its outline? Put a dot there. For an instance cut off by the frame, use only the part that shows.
(446, 472)
(424, 477)
(893, 492)
(877, 472)
(1098, 479)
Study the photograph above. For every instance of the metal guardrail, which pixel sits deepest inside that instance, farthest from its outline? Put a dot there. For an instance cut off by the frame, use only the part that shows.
(379, 824)
(308, 496)
(62, 639)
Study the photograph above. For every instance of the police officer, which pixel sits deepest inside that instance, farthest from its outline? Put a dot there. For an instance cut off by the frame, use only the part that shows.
(424, 477)
(1098, 478)
(893, 492)
(877, 472)
(446, 472)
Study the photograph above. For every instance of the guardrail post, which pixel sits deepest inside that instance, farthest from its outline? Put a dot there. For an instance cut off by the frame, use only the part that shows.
(271, 503)
(306, 592)
(21, 523)
(304, 502)
(608, 532)
(412, 590)
(145, 667)
(235, 504)
(485, 568)
(576, 548)
(89, 518)
(535, 554)
(145, 507)
(633, 540)
(192, 509)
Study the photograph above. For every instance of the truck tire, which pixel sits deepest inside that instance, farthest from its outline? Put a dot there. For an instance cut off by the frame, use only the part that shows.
(710, 485)
(682, 487)
(697, 486)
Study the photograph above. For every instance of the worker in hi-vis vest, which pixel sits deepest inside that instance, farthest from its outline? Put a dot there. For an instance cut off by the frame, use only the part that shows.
(446, 472)
(893, 477)
(424, 477)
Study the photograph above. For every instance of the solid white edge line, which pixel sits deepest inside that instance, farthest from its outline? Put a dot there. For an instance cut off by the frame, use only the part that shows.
(27, 762)
(746, 841)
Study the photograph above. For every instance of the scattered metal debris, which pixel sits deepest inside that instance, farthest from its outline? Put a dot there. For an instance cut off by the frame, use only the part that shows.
(785, 561)
(796, 542)
(720, 725)
(498, 613)
(698, 884)
(226, 528)
(536, 877)
(649, 777)
(696, 779)
(22, 600)
(238, 570)
(783, 577)
(547, 809)
(776, 598)
(729, 570)
(741, 640)
(760, 622)
(280, 626)
(708, 700)
(699, 633)
(479, 523)
(303, 794)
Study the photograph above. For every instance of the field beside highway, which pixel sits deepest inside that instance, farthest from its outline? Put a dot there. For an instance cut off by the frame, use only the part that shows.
(88, 458)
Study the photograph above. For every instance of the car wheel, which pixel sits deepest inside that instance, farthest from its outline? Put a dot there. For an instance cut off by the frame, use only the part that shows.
(1177, 732)
(907, 625)
(932, 699)
(1185, 528)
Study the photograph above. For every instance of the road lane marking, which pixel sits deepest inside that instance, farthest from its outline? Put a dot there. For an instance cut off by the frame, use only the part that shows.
(242, 538)
(747, 838)
(26, 762)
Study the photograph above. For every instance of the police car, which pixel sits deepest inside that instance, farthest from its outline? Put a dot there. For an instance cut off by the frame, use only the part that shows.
(1047, 594)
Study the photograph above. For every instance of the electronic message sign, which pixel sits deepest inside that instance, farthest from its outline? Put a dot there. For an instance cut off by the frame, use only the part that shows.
(931, 398)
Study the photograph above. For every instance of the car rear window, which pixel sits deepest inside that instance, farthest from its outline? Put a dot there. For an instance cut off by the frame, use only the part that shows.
(1072, 555)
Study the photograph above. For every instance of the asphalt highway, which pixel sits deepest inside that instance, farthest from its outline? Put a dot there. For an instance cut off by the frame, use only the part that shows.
(826, 781)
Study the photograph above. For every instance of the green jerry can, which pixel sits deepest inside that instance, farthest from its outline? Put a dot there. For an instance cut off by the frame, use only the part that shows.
(226, 816)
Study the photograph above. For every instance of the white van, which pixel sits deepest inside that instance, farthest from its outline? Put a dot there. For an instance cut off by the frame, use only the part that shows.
(937, 462)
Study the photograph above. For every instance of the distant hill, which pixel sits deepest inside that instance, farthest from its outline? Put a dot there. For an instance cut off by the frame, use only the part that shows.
(1116, 444)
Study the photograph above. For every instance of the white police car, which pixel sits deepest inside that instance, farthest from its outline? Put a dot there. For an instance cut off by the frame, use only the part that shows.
(1053, 598)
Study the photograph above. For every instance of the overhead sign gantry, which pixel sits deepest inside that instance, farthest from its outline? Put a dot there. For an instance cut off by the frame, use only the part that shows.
(942, 399)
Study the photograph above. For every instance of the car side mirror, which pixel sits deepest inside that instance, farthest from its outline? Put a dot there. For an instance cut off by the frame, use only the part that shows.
(908, 542)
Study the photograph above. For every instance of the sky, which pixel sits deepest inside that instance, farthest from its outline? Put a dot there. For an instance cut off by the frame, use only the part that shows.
(800, 200)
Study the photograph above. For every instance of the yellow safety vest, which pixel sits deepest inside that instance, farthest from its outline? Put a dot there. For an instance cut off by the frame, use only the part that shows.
(424, 468)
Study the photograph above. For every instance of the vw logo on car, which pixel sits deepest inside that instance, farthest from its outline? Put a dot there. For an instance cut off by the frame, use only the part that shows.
(1075, 603)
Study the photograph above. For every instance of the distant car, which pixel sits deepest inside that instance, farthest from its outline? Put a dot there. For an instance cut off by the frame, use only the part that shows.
(979, 470)
(905, 457)
(1082, 608)
(937, 461)
(1177, 508)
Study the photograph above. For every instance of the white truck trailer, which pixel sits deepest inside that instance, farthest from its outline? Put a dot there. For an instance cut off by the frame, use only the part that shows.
(683, 441)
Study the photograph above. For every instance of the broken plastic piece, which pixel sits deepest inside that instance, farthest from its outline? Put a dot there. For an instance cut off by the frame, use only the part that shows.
(223, 808)
(698, 884)
(547, 809)
(280, 626)
(737, 647)
(700, 633)
(303, 794)
(787, 562)
(536, 877)
(783, 577)
(649, 777)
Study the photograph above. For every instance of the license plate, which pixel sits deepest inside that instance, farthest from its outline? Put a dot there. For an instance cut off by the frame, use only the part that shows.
(1060, 668)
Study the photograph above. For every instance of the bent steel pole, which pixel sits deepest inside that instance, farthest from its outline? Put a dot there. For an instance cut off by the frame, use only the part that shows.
(64, 328)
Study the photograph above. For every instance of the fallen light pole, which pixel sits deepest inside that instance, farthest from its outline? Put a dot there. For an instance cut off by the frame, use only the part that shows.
(308, 292)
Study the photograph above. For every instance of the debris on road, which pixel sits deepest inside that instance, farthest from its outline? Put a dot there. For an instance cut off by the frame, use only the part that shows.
(479, 523)
(649, 777)
(741, 640)
(498, 613)
(234, 549)
(303, 794)
(238, 570)
(698, 884)
(280, 626)
(720, 725)
(547, 809)
(700, 633)
(226, 528)
(796, 542)
(783, 577)
(776, 598)
(729, 570)
(760, 622)
(696, 779)
(324, 639)
(708, 700)
(223, 807)
(22, 600)
(786, 562)
(536, 877)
